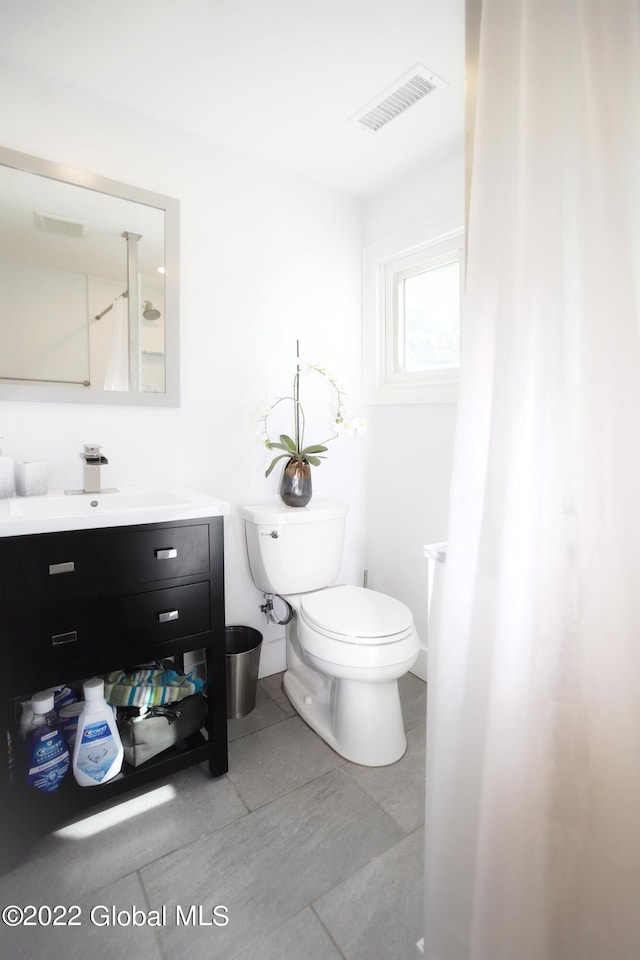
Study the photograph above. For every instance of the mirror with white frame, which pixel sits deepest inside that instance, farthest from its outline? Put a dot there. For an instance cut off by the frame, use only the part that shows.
(89, 287)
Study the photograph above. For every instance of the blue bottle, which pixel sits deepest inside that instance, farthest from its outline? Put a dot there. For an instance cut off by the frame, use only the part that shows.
(46, 750)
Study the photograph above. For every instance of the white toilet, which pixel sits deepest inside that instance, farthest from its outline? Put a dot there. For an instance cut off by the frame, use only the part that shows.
(346, 646)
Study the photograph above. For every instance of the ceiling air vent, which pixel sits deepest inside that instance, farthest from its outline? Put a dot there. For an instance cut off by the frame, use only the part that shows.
(412, 87)
(49, 223)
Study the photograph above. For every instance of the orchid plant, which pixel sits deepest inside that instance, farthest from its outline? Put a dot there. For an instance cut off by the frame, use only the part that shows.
(294, 447)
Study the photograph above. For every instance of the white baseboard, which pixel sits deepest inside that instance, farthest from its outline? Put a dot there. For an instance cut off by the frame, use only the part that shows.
(273, 657)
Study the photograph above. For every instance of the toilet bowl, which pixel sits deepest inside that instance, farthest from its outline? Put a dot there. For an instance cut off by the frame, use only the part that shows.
(347, 646)
(363, 641)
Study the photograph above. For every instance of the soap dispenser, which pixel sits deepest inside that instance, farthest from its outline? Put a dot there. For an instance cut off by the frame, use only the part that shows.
(6, 476)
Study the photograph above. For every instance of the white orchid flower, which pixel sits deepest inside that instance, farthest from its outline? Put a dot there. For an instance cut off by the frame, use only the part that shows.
(306, 367)
(351, 426)
(297, 446)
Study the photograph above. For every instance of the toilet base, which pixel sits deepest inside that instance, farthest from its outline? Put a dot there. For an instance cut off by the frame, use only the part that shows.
(360, 721)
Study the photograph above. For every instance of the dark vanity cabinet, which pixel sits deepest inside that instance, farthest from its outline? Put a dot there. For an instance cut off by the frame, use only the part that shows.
(83, 603)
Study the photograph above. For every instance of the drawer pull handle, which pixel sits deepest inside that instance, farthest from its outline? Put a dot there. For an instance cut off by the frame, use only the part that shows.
(67, 567)
(59, 638)
(168, 615)
(168, 554)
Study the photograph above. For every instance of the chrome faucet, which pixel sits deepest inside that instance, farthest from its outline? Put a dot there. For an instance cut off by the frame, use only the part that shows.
(93, 460)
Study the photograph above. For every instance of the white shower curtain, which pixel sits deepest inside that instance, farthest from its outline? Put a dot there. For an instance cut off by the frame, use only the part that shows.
(533, 726)
(117, 374)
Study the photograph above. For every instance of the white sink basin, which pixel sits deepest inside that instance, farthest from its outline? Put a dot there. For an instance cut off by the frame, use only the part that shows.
(59, 511)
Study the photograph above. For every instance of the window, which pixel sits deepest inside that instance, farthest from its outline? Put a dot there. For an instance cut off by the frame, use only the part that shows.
(412, 302)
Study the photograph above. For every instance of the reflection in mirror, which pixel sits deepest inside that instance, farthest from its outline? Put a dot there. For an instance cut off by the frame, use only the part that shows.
(88, 273)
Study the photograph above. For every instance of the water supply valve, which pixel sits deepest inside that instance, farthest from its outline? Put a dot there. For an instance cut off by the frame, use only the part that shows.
(268, 609)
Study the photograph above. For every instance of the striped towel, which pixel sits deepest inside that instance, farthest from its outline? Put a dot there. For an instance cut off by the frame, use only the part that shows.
(148, 688)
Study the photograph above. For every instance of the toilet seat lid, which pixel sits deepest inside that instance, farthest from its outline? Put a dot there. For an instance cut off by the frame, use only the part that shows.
(356, 615)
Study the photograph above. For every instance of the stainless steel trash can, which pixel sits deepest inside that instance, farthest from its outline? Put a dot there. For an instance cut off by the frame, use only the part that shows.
(243, 645)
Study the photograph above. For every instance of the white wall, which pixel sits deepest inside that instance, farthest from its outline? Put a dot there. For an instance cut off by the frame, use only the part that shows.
(409, 455)
(266, 258)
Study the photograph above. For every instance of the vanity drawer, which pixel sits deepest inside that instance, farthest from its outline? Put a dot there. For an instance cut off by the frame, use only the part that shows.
(161, 615)
(149, 556)
(98, 631)
(95, 563)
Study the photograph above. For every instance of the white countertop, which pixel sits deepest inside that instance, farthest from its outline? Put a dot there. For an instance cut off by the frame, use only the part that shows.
(57, 511)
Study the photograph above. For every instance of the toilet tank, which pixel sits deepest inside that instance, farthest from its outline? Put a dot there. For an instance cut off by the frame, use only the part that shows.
(294, 549)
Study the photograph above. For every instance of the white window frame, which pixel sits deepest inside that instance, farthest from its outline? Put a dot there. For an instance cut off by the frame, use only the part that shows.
(385, 265)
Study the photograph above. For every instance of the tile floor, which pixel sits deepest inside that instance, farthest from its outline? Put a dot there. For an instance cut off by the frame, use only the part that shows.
(313, 857)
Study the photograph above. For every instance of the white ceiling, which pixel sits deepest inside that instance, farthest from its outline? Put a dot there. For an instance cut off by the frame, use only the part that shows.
(278, 79)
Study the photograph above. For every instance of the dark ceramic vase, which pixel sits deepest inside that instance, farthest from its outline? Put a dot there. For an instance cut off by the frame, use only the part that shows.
(295, 485)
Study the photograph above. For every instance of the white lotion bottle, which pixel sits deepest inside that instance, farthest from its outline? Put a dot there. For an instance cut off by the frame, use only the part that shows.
(98, 752)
